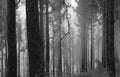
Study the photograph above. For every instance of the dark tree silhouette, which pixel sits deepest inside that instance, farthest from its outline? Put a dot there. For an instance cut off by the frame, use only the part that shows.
(47, 38)
(108, 53)
(12, 53)
(60, 52)
(35, 38)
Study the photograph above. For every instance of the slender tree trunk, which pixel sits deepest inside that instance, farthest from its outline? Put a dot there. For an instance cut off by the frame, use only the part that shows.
(53, 54)
(60, 52)
(104, 54)
(92, 43)
(2, 49)
(12, 51)
(6, 57)
(47, 38)
(35, 38)
(69, 29)
(84, 46)
(42, 36)
(18, 59)
(69, 48)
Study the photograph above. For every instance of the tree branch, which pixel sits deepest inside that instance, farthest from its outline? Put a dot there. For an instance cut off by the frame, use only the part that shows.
(65, 35)
(17, 2)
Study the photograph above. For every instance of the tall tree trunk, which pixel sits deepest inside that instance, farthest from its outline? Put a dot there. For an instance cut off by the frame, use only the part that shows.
(42, 37)
(18, 59)
(12, 51)
(84, 39)
(47, 38)
(69, 54)
(92, 43)
(110, 37)
(2, 49)
(104, 46)
(6, 57)
(108, 61)
(53, 53)
(35, 38)
(60, 52)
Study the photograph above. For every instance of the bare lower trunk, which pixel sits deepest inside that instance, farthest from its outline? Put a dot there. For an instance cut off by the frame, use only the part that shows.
(12, 52)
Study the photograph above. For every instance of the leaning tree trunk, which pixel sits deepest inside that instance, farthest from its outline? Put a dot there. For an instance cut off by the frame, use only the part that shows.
(35, 38)
(12, 52)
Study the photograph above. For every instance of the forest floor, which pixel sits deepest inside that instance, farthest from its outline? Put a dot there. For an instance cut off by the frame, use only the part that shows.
(117, 70)
(99, 72)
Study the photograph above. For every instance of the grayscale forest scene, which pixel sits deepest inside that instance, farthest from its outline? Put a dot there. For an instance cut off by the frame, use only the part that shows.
(59, 38)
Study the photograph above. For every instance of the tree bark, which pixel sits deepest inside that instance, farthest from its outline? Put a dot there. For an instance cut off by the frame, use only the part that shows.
(104, 54)
(60, 52)
(84, 39)
(12, 51)
(47, 38)
(110, 38)
(108, 61)
(53, 53)
(35, 38)
(92, 42)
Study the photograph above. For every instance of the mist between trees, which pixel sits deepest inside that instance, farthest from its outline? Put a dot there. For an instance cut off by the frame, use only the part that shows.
(59, 38)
